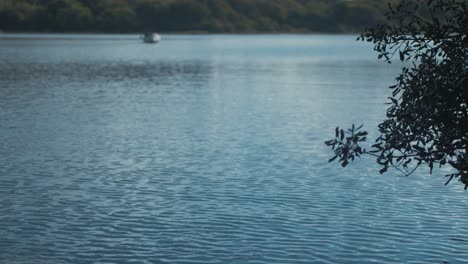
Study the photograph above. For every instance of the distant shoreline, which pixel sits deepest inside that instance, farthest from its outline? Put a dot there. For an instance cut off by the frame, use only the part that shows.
(191, 17)
(178, 33)
(72, 36)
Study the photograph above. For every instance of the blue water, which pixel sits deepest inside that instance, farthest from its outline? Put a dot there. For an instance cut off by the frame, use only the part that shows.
(206, 149)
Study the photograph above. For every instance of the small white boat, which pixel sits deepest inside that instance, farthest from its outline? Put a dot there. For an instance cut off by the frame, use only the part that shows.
(151, 37)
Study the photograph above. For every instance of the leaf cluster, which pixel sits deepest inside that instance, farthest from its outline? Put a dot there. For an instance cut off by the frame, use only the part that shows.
(427, 118)
(346, 144)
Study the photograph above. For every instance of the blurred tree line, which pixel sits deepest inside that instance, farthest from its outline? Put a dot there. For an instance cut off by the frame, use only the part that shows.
(190, 15)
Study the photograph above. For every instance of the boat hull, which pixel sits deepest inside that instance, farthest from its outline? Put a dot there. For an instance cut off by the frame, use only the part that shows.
(151, 38)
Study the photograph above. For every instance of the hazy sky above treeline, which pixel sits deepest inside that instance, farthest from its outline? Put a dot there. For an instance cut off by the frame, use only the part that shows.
(190, 15)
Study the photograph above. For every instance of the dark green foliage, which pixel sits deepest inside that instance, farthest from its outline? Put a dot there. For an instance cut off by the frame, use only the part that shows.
(189, 15)
(427, 120)
(346, 144)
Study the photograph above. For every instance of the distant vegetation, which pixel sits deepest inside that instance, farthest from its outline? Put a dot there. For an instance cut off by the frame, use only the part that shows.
(190, 15)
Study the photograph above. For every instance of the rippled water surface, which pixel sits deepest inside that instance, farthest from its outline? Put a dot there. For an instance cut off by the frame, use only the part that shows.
(205, 149)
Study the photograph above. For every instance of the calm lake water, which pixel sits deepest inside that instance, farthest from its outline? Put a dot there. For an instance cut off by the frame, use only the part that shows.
(206, 149)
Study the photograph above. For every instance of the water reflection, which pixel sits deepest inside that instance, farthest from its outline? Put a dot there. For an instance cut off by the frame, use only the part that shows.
(206, 149)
